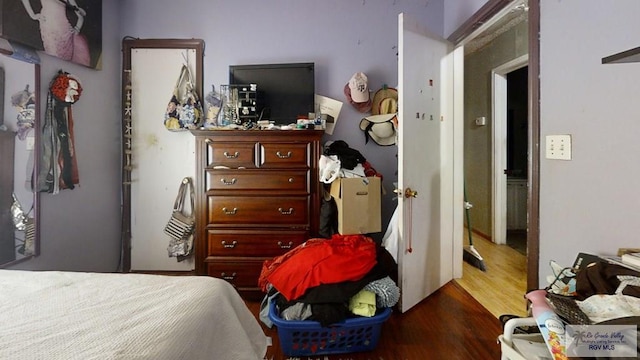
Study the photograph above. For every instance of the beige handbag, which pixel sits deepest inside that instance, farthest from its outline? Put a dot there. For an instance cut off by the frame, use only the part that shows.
(181, 225)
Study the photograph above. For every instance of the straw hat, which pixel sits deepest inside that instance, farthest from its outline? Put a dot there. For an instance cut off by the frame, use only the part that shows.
(385, 101)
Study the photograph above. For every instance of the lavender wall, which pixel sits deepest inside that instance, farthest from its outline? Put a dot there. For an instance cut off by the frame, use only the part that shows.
(340, 37)
(80, 229)
(457, 12)
(588, 204)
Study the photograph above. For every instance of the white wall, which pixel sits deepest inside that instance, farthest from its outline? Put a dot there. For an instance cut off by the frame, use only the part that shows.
(589, 204)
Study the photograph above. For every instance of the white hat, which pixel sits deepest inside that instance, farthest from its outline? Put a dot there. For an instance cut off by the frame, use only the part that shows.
(359, 87)
(380, 128)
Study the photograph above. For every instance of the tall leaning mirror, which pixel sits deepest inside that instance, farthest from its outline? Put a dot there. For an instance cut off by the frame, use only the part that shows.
(19, 144)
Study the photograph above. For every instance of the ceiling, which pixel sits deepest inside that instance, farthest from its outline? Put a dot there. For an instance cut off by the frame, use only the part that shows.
(513, 15)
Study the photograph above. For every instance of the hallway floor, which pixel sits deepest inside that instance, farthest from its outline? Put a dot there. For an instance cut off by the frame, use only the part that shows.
(517, 239)
(502, 287)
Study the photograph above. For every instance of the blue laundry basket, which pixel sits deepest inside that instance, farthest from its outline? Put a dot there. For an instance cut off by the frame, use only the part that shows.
(305, 338)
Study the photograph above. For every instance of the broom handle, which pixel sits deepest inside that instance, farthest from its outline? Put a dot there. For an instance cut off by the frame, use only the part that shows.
(466, 211)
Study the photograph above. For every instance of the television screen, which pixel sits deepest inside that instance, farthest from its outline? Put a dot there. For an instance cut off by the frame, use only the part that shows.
(284, 91)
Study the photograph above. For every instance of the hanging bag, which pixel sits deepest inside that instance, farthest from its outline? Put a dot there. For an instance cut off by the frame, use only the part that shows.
(22, 222)
(184, 110)
(18, 215)
(181, 226)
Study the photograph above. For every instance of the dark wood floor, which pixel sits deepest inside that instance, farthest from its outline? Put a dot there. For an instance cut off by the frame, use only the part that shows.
(449, 324)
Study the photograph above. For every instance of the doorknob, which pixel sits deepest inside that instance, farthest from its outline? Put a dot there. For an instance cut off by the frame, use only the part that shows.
(408, 193)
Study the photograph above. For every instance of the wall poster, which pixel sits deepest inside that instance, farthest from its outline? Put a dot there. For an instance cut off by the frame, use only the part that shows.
(68, 29)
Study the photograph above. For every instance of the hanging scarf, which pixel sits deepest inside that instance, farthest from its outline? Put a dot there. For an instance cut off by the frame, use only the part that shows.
(58, 166)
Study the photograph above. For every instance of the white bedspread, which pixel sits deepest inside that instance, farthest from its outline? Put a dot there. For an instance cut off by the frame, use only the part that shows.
(66, 315)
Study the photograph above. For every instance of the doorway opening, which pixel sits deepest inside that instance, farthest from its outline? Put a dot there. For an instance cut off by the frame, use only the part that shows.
(497, 42)
(517, 163)
(502, 237)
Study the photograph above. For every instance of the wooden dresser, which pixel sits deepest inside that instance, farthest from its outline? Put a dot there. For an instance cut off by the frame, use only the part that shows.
(257, 196)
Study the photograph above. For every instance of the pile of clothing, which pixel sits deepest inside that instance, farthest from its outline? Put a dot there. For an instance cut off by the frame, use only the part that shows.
(602, 290)
(338, 160)
(330, 280)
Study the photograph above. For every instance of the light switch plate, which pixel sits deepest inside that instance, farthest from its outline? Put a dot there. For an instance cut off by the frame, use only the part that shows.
(558, 147)
(481, 121)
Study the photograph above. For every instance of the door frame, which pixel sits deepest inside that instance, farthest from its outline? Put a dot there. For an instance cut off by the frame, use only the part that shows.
(465, 32)
(499, 145)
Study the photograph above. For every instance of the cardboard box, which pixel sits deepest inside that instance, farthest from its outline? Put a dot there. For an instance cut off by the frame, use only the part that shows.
(358, 201)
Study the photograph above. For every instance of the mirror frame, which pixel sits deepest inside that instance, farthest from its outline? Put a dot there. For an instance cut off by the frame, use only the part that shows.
(36, 165)
(129, 44)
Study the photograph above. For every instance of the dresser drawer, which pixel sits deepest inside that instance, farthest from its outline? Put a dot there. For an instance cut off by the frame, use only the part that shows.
(290, 181)
(231, 154)
(268, 243)
(241, 273)
(258, 210)
(284, 155)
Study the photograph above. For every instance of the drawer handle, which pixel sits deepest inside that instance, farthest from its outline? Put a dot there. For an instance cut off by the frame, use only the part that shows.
(231, 156)
(229, 212)
(229, 246)
(285, 212)
(291, 180)
(228, 277)
(281, 156)
(285, 246)
(227, 182)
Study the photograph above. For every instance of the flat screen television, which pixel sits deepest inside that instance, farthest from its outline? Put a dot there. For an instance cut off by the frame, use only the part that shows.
(284, 91)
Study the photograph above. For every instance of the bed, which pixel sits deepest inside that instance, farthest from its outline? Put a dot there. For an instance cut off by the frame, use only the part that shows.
(78, 315)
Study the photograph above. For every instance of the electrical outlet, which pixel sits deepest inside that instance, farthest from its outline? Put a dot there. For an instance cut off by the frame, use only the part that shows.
(558, 147)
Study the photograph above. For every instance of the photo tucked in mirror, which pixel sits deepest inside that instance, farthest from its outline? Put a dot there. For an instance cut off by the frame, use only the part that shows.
(18, 124)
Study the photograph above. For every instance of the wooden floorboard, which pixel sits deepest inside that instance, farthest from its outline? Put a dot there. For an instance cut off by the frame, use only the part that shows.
(460, 321)
(449, 324)
(502, 287)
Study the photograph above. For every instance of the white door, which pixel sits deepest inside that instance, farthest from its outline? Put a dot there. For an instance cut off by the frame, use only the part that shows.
(427, 155)
(160, 158)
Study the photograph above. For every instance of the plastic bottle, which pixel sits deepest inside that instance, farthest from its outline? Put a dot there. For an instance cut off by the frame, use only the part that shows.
(550, 325)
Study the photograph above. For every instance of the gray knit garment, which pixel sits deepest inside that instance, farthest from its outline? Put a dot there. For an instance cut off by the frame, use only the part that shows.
(386, 290)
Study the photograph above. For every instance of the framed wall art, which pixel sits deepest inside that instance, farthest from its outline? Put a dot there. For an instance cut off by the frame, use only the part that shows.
(68, 29)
